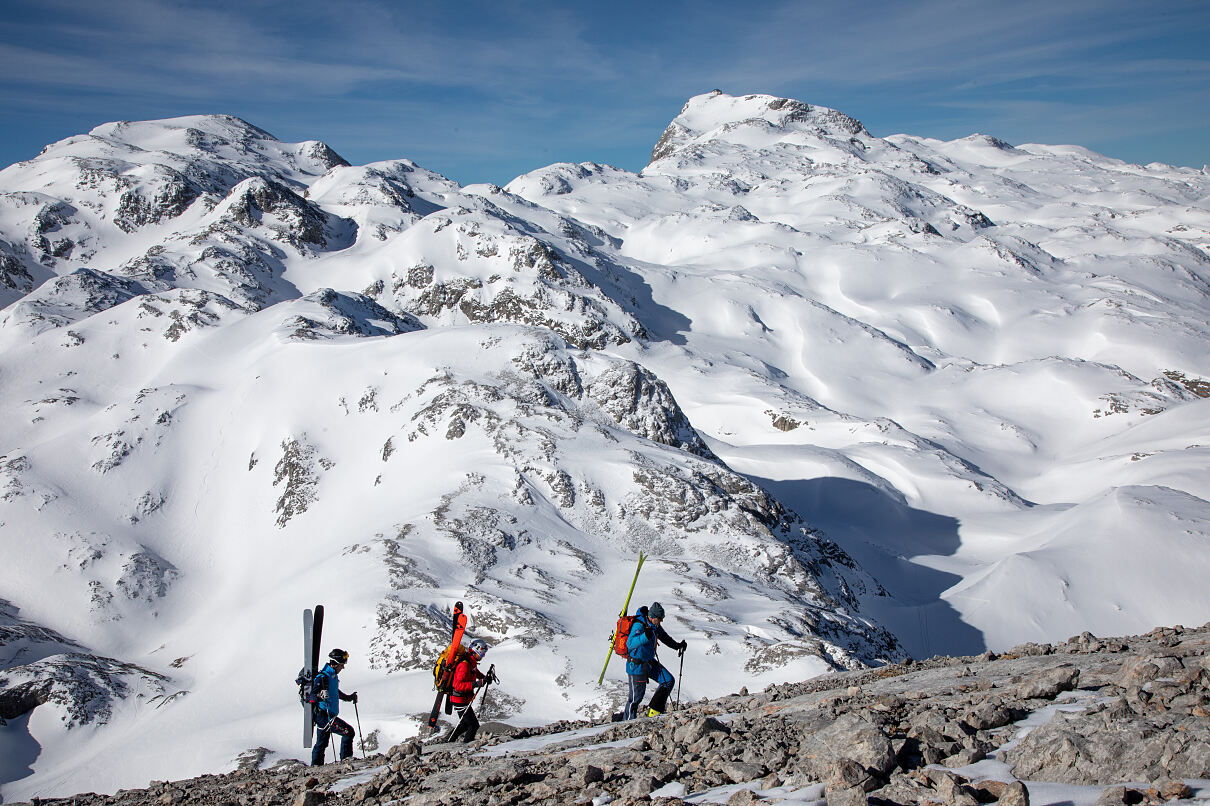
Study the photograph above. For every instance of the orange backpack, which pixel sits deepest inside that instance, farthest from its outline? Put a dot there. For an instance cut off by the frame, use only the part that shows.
(622, 634)
(443, 672)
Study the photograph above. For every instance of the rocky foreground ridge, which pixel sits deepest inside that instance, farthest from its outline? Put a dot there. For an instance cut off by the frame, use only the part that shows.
(1128, 715)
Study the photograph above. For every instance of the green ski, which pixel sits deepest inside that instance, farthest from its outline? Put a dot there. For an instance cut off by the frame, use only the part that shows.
(625, 609)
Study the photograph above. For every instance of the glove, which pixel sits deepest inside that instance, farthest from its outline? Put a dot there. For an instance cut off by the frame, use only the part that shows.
(354, 698)
(491, 677)
(681, 649)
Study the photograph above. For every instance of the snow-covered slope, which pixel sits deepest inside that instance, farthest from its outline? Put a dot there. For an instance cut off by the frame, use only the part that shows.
(960, 360)
(855, 396)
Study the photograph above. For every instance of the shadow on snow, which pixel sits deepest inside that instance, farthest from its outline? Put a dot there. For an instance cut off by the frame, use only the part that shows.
(885, 535)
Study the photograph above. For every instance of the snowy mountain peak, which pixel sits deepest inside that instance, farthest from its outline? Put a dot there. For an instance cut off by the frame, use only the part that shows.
(218, 135)
(180, 133)
(208, 153)
(748, 120)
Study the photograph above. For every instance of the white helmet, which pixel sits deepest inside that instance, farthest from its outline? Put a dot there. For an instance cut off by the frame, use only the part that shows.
(478, 648)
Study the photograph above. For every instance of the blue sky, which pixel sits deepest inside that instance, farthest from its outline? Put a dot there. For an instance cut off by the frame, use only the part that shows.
(484, 91)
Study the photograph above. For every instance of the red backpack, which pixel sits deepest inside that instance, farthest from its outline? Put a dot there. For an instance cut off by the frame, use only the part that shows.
(622, 634)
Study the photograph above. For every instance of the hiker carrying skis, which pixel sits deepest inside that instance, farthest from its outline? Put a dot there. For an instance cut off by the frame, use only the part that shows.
(643, 664)
(467, 682)
(326, 694)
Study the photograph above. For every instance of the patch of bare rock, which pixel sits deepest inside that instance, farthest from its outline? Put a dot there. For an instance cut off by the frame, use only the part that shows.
(1129, 715)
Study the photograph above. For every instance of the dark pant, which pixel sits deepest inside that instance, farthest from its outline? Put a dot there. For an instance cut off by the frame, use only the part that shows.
(638, 687)
(325, 726)
(468, 724)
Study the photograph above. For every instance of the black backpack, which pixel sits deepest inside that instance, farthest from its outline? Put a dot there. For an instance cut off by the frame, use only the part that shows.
(308, 690)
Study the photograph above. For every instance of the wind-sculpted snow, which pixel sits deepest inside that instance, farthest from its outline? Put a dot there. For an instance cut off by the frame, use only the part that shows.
(855, 397)
(38, 667)
(22, 642)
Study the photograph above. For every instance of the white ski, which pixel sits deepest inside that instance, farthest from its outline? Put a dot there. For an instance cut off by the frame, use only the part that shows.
(308, 672)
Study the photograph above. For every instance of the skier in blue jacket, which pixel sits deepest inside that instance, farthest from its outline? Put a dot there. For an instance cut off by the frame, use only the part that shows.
(326, 694)
(643, 665)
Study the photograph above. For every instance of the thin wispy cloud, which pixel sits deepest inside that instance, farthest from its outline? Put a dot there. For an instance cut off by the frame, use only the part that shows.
(530, 82)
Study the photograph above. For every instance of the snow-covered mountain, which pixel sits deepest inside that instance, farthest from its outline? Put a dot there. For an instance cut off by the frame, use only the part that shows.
(857, 397)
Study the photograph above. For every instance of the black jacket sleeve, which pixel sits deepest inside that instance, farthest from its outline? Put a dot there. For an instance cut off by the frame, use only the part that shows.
(666, 639)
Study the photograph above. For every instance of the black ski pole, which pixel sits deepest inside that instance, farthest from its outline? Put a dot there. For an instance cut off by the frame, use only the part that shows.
(679, 674)
(361, 739)
(490, 671)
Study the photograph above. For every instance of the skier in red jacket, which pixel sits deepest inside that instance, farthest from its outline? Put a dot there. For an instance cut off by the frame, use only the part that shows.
(467, 681)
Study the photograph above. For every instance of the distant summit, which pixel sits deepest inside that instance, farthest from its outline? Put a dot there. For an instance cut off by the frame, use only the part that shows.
(747, 119)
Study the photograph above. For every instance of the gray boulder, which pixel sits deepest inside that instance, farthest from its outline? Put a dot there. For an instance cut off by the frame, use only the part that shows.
(698, 729)
(1093, 749)
(847, 796)
(849, 737)
(739, 772)
(1049, 683)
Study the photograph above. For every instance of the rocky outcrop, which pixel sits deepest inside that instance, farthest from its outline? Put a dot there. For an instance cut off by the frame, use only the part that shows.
(85, 687)
(180, 311)
(14, 276)
(642, 404)
(38, 666)
(327, 313)
(68, 299)
(549, 404)
(297, 472)
(505, 271)
(164, 194)
(1149, 722)
(289, 217)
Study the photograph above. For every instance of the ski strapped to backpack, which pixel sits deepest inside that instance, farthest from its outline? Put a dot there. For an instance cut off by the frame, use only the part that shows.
(618, 634)
(443, 670)
(313, 624)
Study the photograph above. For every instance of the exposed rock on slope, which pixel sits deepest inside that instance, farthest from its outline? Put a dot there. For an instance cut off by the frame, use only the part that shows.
(472, 267)
(39, 667)
(556, 422)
